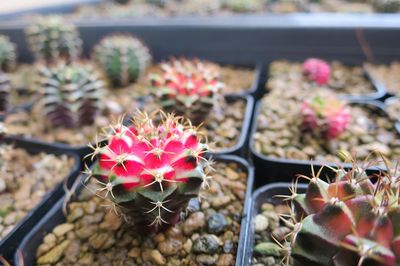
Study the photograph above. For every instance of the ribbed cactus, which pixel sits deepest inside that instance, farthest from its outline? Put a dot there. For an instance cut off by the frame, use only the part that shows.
(325, 116)
(351, 221)
(387, 6)
(122, 57)
(8, 54)
(5, 87)
(188, 88)
(317, 70)
(150, 172)
(71, 93)
(51, 38)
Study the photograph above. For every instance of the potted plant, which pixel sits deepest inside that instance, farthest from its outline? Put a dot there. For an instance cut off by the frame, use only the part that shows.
(149, 175)
(348, 221)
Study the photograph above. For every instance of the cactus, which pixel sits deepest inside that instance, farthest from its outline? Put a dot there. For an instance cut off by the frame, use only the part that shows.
(123, 58)
(8, 54)
(150, 172)
(325, 116)
(317, 70)
(5, 87)
(387, 6)
(189, 88)
(351, 221)
(51, 38)
(71, 93)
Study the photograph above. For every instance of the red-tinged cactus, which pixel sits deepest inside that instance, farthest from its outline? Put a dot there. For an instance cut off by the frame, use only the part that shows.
(325, 115)
(150, 172)
(189, 88)
(351, 221)
(317, 70)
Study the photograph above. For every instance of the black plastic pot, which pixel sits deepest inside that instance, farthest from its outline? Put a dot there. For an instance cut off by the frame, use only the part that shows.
(9, 244)
(26, 253)
(265, 194)
(379, 93)
(282, 169)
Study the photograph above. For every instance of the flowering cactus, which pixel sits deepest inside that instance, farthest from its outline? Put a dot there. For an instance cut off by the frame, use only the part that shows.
(52, 38)
(188, 88)
(71, 93)
(150, 172)
(351, 221)
(325, 115)
(123, 58)
(317, 70)
(8, 54)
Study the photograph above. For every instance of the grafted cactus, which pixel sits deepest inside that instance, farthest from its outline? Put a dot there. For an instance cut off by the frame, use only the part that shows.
(123, 58)
(150, 172)
(325, 116)
(188, 88)
(71, 93)
(317, 70)
(5, 87)
(51, 38)
(8, 54)
(350, 221)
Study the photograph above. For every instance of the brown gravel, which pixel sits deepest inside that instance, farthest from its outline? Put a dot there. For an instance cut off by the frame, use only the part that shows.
(389, 75)
(278, 132)
(94, 235)
(267, 225)
(24, 180)
(393, 108)
(347, 80)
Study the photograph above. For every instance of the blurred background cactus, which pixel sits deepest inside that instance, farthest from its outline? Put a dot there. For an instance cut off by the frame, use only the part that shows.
(387, 6)
(5, 87)
(190, 88)
(71, 93)
(123, 58)
(51, 38)
(8, 54)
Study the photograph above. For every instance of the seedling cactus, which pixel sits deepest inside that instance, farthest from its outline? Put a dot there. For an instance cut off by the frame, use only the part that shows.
(51, 38)
(351, 221)
(150, 172)
(188, 88)
(325, 116)
(5, 87)
(8, 54)
(71, 94)
(317, 70)
(123, 58)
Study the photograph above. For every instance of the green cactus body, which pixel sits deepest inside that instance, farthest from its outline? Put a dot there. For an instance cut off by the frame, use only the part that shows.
(188, 88)
(123, 58)
(5, 87)
(71, 94)
(150, 172)
(8, 54)
(351, 221)
(51, 38)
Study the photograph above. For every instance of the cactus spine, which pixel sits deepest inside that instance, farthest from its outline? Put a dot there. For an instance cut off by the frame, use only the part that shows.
(123, 58)
(150, 172)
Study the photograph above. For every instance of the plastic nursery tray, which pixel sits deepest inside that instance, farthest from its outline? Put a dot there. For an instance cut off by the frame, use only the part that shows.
(265, 194)
(64, 6)
(9, 244)
(282, 169)
(26, 254)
